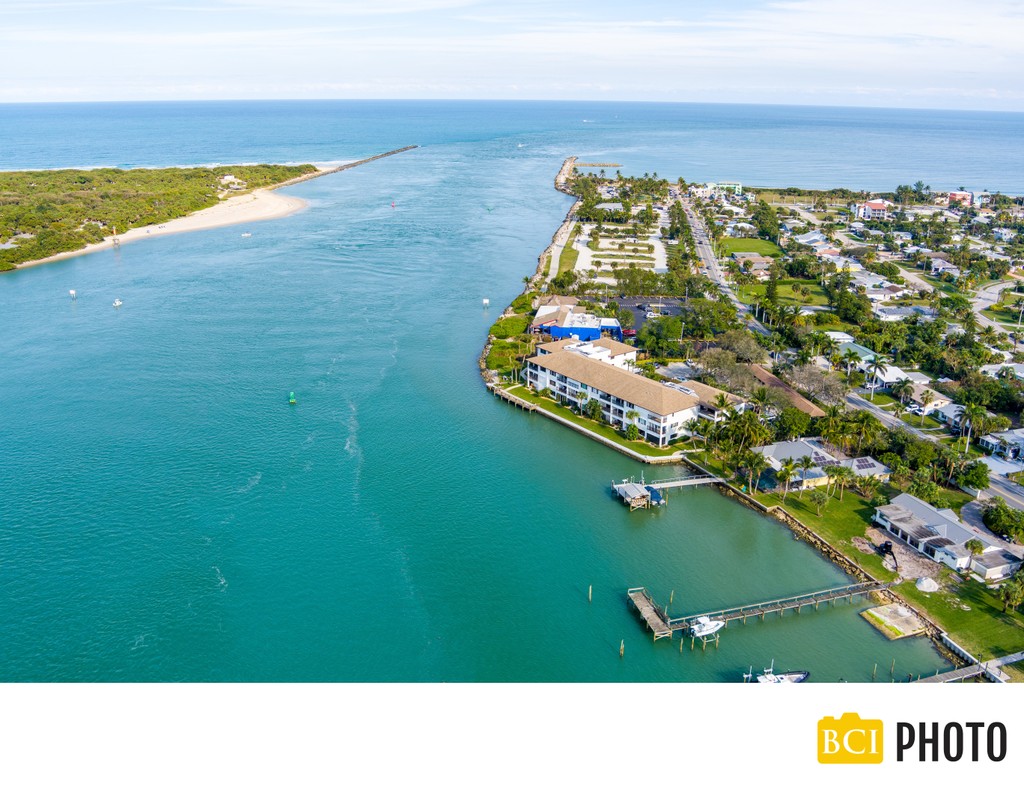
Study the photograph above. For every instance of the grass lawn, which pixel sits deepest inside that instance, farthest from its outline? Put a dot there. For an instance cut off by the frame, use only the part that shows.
(915, 421)
(567, 260)
(815, 297)
(883, 400)
(728, 246)
(1002, 315)
(604, 430)
(983, 628)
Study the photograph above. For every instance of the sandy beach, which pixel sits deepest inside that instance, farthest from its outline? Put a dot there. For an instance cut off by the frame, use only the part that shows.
(255, 206)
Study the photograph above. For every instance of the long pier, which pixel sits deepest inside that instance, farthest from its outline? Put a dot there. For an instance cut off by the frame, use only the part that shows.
(685, 481)
(661, 625)
(990, 670)
(501, 392)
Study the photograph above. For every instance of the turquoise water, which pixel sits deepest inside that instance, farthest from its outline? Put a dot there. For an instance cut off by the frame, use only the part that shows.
(166, 515)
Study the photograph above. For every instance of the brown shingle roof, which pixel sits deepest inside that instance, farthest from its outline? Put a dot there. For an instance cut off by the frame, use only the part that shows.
(638, 390)
(797, 400)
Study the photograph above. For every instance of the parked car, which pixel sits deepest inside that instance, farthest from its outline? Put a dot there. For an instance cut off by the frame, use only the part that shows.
(629, 332)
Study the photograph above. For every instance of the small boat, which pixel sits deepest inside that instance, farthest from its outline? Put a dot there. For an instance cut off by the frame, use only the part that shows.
(291, 398)
(704, 626)
(117, 302)
(246, 235)
(769, 677)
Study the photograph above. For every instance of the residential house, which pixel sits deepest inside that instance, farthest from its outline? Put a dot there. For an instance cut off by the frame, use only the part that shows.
(777, 453)
(965, 198)
(940, 535)
(1009, 444)
(893, 314)
(1016, 368)
(873, 209)
(937, 402)
(756, 260)
(661, 413)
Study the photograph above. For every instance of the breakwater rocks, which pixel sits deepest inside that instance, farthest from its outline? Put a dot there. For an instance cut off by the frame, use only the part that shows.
(345, 167)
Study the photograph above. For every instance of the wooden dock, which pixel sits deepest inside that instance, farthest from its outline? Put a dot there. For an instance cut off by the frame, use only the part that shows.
(663, 626)
(685, 481)
(511, 398)
(656, 619)
(990, 670)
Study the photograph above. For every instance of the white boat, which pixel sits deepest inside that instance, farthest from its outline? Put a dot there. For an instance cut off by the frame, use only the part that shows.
(246, 235)
(770, 677)
(117, 302)
(704, 626)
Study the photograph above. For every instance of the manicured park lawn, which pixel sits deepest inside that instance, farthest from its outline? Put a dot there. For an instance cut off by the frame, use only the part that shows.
(1002, 315)
(728, 246)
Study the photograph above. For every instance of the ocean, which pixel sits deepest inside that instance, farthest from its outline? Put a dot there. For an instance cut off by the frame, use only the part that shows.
(167, 516)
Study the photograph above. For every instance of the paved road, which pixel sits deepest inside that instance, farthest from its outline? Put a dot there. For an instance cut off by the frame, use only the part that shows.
(985, 297)
(715, 273)
(998, 484)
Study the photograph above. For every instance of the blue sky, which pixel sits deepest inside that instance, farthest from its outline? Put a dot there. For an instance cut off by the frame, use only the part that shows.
(897, 53)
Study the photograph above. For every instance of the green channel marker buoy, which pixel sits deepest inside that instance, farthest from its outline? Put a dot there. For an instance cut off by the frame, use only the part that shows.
(291, 398)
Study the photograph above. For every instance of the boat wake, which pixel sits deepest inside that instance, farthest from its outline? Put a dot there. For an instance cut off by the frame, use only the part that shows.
(222, 582)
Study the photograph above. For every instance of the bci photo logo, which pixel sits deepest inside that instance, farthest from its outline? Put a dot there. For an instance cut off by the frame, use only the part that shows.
(852, 739)
(849, 739)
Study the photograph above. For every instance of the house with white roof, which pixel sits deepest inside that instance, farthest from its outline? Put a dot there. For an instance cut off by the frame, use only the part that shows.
(1008, 444)
(940, 535)
(994, 370)
(811, 239)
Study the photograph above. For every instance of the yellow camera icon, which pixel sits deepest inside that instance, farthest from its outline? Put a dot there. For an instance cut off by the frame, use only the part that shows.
(849, 739)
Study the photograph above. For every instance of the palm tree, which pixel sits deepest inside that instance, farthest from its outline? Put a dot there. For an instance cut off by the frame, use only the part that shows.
(972, 414)
(784, 475)
(805, 464)
(760, 398)
(876, 366)
(844, 476)
(631, 416)
(927, 397)
(851, 359)
(755, 463)
(902, 388)
(819, 499)
(973, 547)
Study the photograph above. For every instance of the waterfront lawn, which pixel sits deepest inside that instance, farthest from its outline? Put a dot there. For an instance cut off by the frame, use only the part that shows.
(983, 628)
(727, 246)
(602, 429)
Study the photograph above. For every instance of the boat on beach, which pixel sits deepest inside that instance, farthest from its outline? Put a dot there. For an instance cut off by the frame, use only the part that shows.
(704, 626)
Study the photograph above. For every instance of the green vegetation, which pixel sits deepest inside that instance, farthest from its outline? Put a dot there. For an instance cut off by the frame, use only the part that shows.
(983, 628)
(728, 246)
(598, 428)
(808, 293)
(49, 212)
(567, 260)
(510, 326)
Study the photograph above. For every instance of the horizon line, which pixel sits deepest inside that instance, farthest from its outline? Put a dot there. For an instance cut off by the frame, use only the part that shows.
(512, 101)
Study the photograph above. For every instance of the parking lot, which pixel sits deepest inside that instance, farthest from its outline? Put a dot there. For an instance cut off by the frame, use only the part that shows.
(642, 306)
